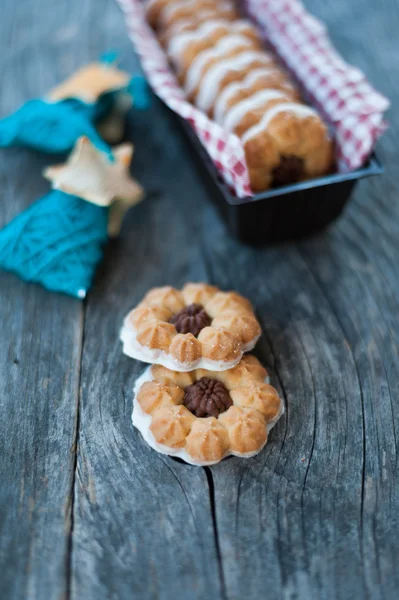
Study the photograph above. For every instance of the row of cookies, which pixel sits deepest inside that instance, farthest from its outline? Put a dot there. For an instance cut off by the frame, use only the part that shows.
(225, 71)
(201, 399)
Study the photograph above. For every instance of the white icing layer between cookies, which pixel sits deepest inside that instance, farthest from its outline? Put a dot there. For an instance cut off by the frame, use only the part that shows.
(300, 110)
(211, 82)
(132, 348)
(208, 16)
(242, 26)
(238, 111)
(170, 11)
(180, 42)
(222, 48)
(142, 422)
(228, 92)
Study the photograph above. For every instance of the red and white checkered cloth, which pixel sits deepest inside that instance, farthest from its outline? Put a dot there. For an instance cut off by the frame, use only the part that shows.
(341, 92)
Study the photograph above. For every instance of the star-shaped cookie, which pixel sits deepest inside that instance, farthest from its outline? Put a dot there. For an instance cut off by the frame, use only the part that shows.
(90, 82)
(91, 175)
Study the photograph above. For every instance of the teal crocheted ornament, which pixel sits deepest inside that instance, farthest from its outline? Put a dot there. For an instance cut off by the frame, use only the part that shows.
(139, 90)
(50, 127)
(138, 86)
(57, 242)
(53, 126)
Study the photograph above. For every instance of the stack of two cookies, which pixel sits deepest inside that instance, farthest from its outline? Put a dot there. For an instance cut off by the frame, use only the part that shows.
(202, 399)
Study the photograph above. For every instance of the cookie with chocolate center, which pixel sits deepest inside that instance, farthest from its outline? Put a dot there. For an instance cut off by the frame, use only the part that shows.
(207, 398)
(195, 327)
(203, 416)
(191, 319)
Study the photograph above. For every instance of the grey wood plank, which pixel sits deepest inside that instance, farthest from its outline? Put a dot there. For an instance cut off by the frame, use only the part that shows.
(142, 522)
(303, 501)
(41, 332)
(315, 514)
(39, 376)
(304, 519)
(39, 352)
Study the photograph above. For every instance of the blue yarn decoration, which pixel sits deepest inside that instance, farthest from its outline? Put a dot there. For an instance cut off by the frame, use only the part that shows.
(50, 127)
(54, 127)
(110, 57)
(57, 242)
(138, 88)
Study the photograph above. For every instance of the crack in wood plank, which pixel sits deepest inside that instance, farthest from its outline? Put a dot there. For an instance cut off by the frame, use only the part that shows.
(71, 498)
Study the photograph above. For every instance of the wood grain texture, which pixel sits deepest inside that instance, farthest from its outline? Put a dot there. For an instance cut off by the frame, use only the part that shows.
(142, 522)
(315, 515)
(40, 354)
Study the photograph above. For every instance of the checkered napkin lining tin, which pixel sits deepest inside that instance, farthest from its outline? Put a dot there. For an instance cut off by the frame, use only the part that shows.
(340, 92)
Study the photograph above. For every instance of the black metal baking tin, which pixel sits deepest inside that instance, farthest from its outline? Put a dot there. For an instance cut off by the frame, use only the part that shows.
(284, 213)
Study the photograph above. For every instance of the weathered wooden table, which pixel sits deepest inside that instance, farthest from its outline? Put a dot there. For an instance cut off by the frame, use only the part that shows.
(87, 510)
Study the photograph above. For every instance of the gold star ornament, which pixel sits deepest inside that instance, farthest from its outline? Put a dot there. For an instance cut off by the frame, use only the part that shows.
(90, 174)
(90, 82)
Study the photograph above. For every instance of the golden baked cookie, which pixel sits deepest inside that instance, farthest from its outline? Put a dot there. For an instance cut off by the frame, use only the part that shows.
(226, 73)
(248, 369)
(257, 80)
(220, 344)
(164, 297)
(218, 12)
(245, 428)
(261, 396)
(242, 324)
(155, 336)
(204, 416)
(166, 376)
(154, 395)
(183, 9)
(290, 143)
(198, 293)
(183, 48)
(248, 112)
(154, 9)
(226, 48)
(199, 326)
(143, 315)
(223, 301)
(207, 442)
(186, 348)
(227, 70)
(171, 424)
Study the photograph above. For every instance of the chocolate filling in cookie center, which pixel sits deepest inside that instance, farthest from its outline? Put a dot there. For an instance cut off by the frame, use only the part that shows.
(207, 398)
(290, 170)
(191, 319)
